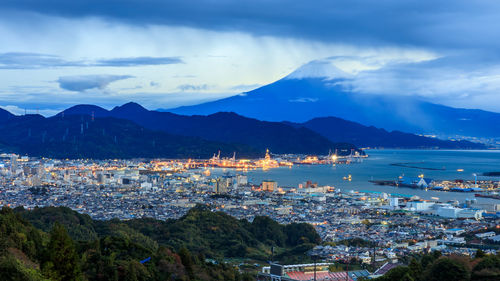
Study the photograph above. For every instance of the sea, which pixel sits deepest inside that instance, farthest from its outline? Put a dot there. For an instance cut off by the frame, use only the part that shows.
(433, 164)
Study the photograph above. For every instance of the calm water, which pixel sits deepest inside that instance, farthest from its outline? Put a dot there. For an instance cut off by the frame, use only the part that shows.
(377, 167)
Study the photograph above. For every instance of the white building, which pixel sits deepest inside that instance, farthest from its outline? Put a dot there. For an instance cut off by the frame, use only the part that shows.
(486, 234)
(454, 231)
(469, 213)
(448, 212)
(453, 240)
(495, 238)
(394, 202)
(419, 206)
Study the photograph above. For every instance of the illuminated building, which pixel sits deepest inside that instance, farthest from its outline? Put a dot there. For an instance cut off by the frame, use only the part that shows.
(222, 184)
(13, 164)
(269, 185)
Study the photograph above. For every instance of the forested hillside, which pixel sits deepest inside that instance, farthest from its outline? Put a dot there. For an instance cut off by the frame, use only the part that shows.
(60, 244)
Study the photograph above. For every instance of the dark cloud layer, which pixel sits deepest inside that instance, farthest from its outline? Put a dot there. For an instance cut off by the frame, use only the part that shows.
(441, 24)
(16, 60)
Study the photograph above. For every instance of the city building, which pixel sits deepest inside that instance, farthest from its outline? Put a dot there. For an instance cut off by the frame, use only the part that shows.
(269, 185)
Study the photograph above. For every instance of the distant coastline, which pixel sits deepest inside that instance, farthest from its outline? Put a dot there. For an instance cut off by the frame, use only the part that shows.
(409, 165)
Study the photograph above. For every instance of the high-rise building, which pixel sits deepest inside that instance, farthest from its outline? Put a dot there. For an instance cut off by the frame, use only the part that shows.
(394, 202)
(269, 185)
(221, 185)
(100, 178)
(13, 164)
(241, 180)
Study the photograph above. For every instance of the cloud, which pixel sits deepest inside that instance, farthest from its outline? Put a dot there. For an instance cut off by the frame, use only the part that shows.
(448, 23)
(55, 101)
(253, 60)
(318, 69)
(138, 61)
(245, 87)
(453, 80)
(304, 100)
(445, 51)
(191, 87)
(20, 60)
(16, 60)
(440, 77)
(86, 82)
(16, 110)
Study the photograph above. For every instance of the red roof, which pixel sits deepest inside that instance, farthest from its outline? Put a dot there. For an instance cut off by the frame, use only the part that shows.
(321, 275)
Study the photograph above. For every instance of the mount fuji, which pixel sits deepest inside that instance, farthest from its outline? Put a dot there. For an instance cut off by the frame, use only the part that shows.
(318, 89)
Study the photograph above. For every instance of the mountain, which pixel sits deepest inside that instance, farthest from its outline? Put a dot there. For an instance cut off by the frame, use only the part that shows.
(86, 109)
(314, 136)
(5, 115)
(224, 127)
(81, 136)
(340, 130)
(318, 91)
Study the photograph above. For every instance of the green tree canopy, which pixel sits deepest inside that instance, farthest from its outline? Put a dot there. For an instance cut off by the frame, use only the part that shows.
(446, 269)
(62, 260)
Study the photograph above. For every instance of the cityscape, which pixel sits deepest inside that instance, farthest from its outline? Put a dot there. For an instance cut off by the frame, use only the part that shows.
(249, 140)
(167, 189)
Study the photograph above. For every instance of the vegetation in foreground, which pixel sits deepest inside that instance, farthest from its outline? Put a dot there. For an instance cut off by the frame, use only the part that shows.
(435, 267)
(60, 244)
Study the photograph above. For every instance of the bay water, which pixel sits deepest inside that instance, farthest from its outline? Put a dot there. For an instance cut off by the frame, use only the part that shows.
(434, 164)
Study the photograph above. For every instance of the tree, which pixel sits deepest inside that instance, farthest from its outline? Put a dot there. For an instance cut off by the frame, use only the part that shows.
(266, 229)
(427, 260)
(446, 269)
(487, 269)
(415, 268)
(62, 262)
(299, 233)
(187, 261)
(480, 254)
(407, 277)
(437, 254)
(136, 272)
(397, 274)
(12, 269)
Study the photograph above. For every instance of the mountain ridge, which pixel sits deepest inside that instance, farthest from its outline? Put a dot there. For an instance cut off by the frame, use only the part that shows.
(352, 132)
(82, 136)
(372, 137)
(226, 127)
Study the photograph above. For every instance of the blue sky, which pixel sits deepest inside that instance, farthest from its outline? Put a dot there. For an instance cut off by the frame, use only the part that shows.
(54, 54)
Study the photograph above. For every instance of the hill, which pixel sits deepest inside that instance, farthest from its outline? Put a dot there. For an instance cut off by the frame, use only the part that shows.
(313, 91)
(339, 130)
(73, 136)
(214, 234)
(5, 115)
(40, 245)
(60, 244)
(224, 127)
(312, 137)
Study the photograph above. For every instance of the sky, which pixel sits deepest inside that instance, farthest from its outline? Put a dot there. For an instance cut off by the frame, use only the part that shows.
(57, 53)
